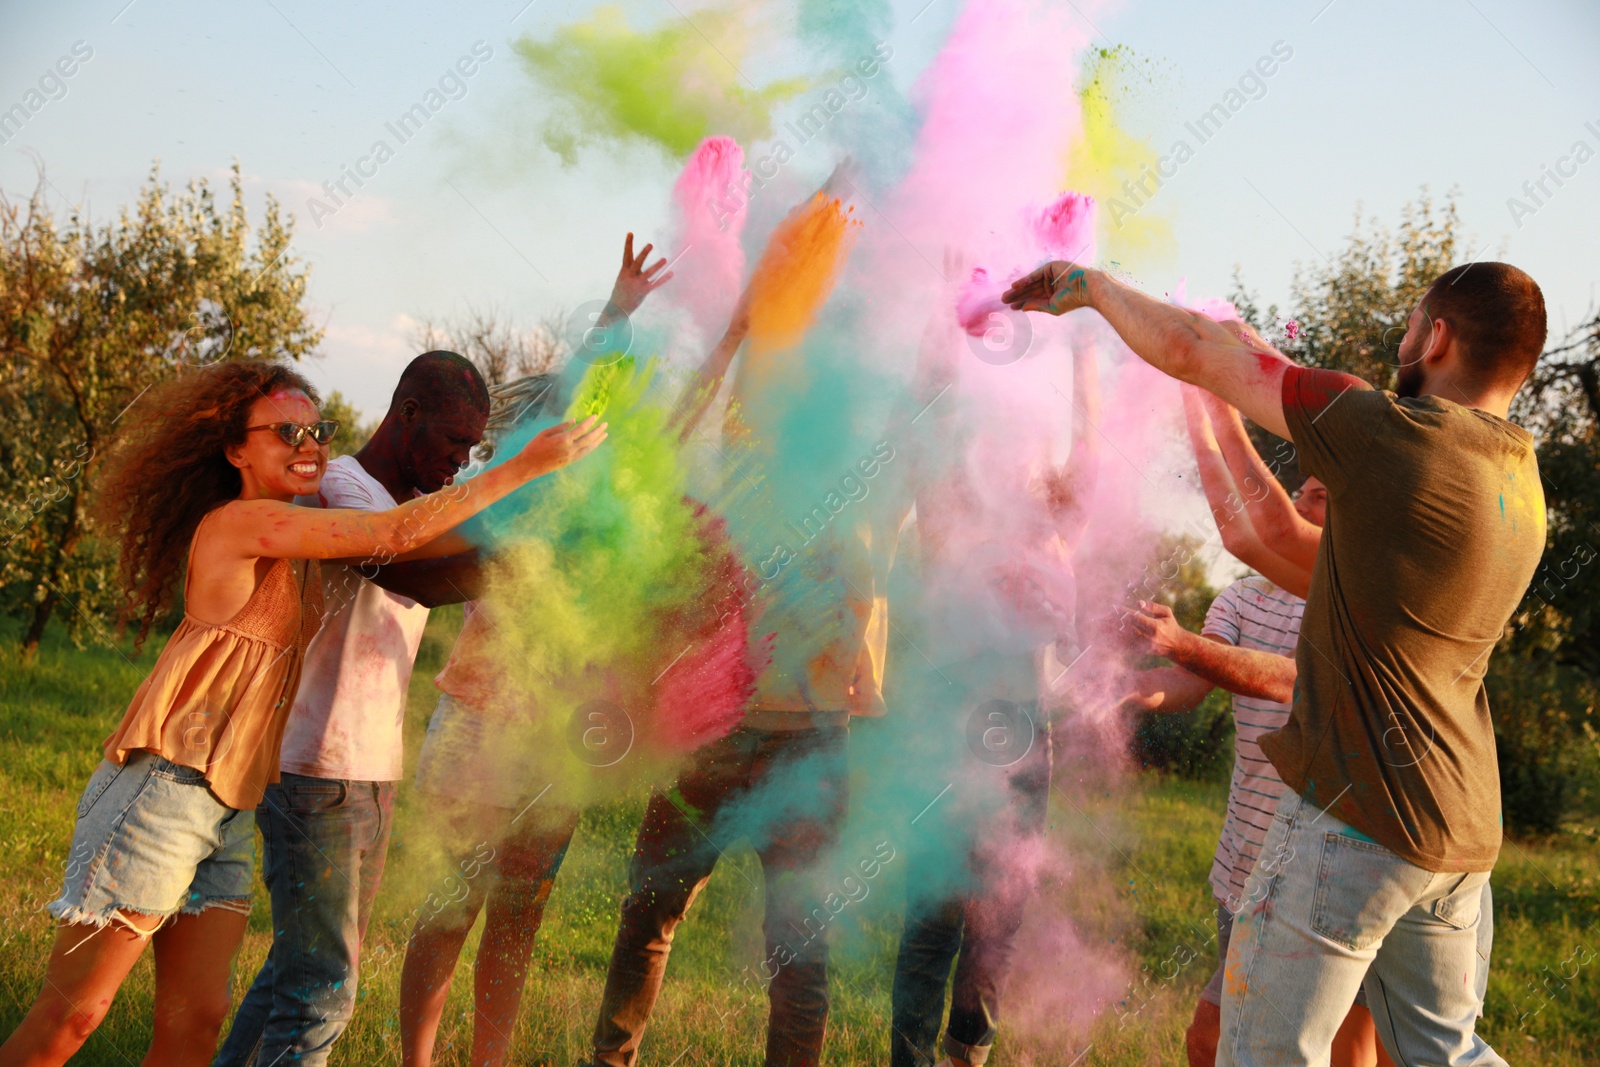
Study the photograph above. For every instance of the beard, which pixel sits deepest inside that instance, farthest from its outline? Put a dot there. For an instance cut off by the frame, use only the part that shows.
(1408, 380)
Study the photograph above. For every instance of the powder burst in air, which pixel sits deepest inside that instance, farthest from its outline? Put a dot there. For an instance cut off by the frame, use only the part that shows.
(798, 271)
(1105, 159)
(671, 86)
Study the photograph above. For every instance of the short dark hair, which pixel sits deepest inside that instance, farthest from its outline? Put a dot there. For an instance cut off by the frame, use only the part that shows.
(1497, 312)
(441, 379)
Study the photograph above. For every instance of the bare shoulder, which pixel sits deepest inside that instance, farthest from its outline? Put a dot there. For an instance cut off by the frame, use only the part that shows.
(240, 528)
(237, 512)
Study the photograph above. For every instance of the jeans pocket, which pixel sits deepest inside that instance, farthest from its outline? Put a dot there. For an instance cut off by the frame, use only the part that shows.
(308, 796)
(99, 782)
(1362, 890)
(1461, 906)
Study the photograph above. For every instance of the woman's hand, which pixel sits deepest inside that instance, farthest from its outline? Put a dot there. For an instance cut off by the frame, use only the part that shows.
(560, 445)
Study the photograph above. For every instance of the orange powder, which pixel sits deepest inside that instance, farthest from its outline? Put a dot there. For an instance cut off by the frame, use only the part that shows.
(798, 270)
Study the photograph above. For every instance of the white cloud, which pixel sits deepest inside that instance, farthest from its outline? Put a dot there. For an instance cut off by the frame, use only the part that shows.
(363, 362)
(360, 213)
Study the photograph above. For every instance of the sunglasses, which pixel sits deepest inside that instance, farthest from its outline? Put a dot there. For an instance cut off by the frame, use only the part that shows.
(292, 433)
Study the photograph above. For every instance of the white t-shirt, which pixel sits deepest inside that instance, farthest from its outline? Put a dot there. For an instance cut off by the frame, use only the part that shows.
(347, 717)
(1251, 613)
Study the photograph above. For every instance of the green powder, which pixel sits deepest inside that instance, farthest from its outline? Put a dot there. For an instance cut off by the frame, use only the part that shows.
(599, 577)
(672, 86)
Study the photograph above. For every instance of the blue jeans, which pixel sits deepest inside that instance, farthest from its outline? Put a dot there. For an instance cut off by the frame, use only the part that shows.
(324, 840)
(1327, 911)
(964, 897)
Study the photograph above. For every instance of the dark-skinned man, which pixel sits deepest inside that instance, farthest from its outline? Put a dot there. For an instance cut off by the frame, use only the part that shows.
(326, 823)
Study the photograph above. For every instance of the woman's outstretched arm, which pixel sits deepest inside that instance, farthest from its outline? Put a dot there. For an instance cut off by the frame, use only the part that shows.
(277, 530)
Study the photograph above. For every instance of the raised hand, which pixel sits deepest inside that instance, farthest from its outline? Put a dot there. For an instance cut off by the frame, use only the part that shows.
(635, 281)
(560, 445)
(1057, 287)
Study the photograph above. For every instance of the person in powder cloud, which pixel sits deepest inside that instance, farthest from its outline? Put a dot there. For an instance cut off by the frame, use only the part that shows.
(326, 823)
(1389, 824)
(998, 521)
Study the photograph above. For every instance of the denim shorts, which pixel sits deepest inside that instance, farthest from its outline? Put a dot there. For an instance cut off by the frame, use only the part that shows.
(152, 840)
(473, 756)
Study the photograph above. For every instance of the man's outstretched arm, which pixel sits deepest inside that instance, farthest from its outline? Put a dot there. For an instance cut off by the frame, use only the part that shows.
(706, 381)
(1180, 343)
(432, 583)
(1243, 672)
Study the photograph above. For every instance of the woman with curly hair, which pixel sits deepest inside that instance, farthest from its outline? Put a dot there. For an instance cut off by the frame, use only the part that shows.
(162, 849)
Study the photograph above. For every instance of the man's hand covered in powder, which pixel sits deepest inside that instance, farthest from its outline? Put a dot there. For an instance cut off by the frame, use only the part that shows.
(1159, 628)
(1057, 287)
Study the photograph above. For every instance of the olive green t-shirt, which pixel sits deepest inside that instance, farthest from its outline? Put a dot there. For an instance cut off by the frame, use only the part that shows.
(1436, 523)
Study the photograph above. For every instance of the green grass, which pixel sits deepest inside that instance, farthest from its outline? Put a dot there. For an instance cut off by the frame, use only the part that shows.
(1134, 889)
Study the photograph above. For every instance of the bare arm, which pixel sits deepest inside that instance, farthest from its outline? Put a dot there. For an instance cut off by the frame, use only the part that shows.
(706, 382)
(1180, 343)
(278, 530)
(1239, 535)
(921, 417)
(433, 582)
(1166, 689)
(1271, 510)
(1073, 486)
(1242, 671)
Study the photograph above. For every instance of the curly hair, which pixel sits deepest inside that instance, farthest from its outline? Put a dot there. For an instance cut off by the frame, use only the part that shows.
(168, 469)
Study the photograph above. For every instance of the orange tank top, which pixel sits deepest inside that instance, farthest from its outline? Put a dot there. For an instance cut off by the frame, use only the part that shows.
(219, 694)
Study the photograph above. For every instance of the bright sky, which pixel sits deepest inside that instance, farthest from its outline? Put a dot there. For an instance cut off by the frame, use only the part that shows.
(1378, 99)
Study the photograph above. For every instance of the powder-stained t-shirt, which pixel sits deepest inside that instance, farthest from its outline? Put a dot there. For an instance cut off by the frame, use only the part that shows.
(1255, 614)
(347, 716)
(1436, 523)
(826, 626)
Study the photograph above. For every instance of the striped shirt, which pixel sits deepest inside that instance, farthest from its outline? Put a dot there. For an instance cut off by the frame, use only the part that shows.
(1251, 613)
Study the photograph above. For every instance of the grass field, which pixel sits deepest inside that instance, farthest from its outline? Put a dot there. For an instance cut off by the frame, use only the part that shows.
(1131, 962)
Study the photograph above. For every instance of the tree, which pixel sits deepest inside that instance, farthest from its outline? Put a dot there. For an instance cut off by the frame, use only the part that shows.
(92, 316)
(1561, 406)
(353, 431)
(1344, 309)
(501, 352)
(1548, 664)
